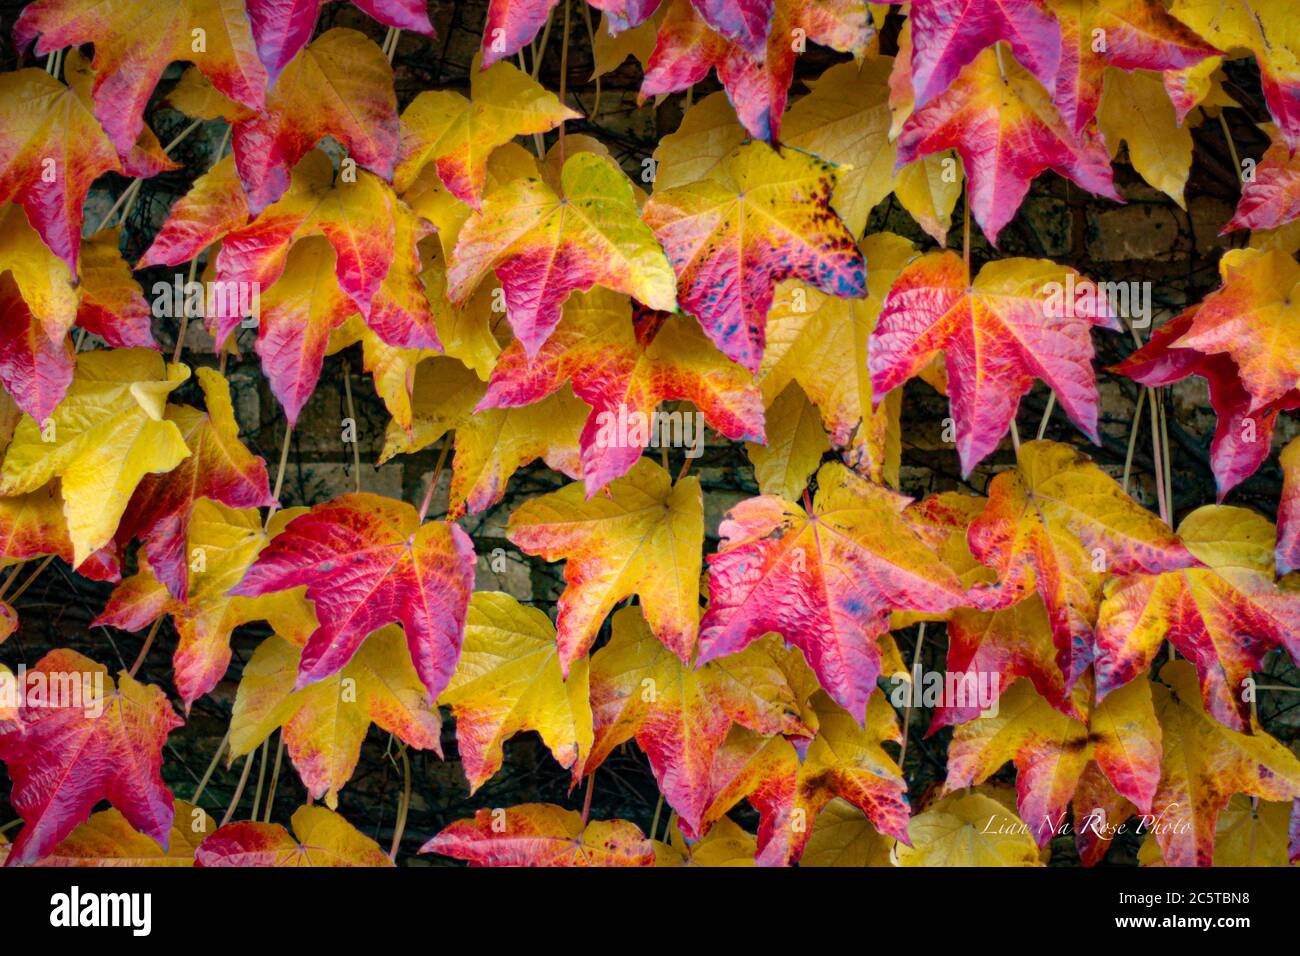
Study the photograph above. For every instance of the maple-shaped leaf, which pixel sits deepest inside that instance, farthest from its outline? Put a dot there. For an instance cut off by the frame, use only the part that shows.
(1015, 323)
(624, 369)
(340, 85)
(1005, 643)
(1242, 436)
(843, 760)
(371, 231)
(761, 217)
(542, 834)
(755, 73)
(214, 206)
(1248, 832)
(1051, 751)
(219, 545)
(1265, 28)
(135, 41)
(820, 341)
(508, 681)
(796, 442)
(1058, 524)
(1222, 616)
(1254, 318)
(218, 468)
(323, 838)
(32, 525)
(1205, 764)
(1006, 132)
(1271, 198)
(491, 445)
(1135, 35)
(324, 725)
(111, 304)
(51, 149)
(457, 134)
(102, 742)
(107, 434)
(367, 561)
(283, 27)
(680, 715)
(642, 536)
(970, 829)
(545, 244)
(1136, 113)
(109, 839)
(948, 34)
(825, 579)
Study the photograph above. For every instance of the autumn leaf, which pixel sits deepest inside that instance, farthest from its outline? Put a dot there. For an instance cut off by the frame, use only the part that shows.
(323, 838)
(643, 537)
(457, 134)
(40, 301)
(103, 741)
(219, 468)
(1006, 132)
(109, 839)
(624, 368)
(367, 561)
(1051, 751)
(1287, 553)
(219, 545)
(1271, 197)
(1242, 437)
(1222, 616)
(948, 34)
(1133, 34)
(490, 445)
(761, 217)
(340, 85)
(282, 29)
(51, 149)
(825, 579)
(726, 844)
(214, 206)
(796, 442)
(1014, 324)
(545, 245)
(1254, 319)
(1249, 832)
(108, 433)
(324, 725)
(1265, 28)
(756, 72)
(1204, 765)
(1059, 525)
(1136, 111)
(135, 41)
(680, 715)
(843, 760)
(968, 829)
(507, 681)
(842, 836)
(998, 645)
(820, 341)
(542, 834)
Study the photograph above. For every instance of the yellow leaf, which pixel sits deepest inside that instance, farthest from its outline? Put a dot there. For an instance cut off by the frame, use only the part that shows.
(508, 681)
(103, 438)
(968, 829)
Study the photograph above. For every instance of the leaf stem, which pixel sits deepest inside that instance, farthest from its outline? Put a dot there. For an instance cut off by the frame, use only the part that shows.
(907, 713)
(31, 578)
(403, 806)
(433, 479)
(275, 778)
(1047, 414)
(212, 766)
(564, 72)
(148, 644)
(279, 473)
(352, 416)
(239, 791)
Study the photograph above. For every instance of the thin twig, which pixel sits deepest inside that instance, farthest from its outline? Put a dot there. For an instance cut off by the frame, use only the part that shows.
(433, 479)
(148, 643)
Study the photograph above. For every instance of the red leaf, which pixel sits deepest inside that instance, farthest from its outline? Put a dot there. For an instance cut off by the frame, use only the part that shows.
(367, 561)
(283, 27)
(65, 757)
